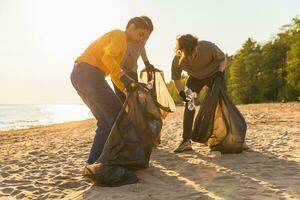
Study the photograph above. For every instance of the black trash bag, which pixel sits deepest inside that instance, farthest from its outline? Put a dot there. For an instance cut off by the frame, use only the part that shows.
(156, 82)
(219, 123)
(131, 140)
(110, 176)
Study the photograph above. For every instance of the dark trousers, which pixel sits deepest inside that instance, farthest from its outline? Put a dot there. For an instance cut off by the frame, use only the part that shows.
(195, 85)
(121, 94)
(93, 89)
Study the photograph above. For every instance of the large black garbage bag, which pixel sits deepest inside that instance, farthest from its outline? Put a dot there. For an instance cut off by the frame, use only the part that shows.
(110, 176)
(219, 123)
(133, 134)
(130, 142)
(155, 79)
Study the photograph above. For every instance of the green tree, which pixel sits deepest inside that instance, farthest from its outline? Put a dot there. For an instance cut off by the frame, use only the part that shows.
(293, 61)
(293, 65)
(243, 78)
(289, 35)
(271, 75)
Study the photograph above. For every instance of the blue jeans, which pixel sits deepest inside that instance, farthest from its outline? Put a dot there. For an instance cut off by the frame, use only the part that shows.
(95, 92)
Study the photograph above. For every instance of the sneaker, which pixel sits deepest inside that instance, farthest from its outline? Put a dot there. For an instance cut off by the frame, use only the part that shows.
(88, 170)
(185, 145)
(82, 170)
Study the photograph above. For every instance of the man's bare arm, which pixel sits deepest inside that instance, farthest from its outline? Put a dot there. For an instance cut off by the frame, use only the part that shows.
(144, 55)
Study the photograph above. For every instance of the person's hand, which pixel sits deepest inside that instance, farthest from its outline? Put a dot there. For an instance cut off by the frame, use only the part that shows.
(183, 96)
(149, 66)
(128, 82)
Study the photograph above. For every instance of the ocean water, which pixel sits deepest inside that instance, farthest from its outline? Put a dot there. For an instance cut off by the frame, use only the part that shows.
(24, 116)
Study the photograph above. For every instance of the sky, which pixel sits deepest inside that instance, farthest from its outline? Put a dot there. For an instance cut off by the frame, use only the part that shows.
(40, 39)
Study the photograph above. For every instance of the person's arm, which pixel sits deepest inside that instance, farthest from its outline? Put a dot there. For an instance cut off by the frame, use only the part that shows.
(219, 57)
(178, 85)
(176, 77)
(144, 55)
(148, 65)
(180, 88)
(112, 50)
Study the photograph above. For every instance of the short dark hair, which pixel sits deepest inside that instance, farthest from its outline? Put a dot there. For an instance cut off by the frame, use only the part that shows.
(138, 23)
(186, 43)
(149, 22)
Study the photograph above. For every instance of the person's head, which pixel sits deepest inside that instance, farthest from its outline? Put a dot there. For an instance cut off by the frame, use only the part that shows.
(149, 23)
(186, 46)
(137, 30)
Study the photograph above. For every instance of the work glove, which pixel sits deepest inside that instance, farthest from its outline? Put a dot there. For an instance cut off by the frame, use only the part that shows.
(183, 96)
(149, 66)
(128, 82)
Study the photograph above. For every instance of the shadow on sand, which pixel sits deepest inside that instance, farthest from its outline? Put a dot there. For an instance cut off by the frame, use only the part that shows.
(195, 175)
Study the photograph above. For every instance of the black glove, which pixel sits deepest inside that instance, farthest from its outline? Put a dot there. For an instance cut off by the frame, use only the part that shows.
(149, 67)
(183, 96)
(128, 82)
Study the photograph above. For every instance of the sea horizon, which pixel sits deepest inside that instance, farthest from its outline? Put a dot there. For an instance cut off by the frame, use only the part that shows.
(20, 116)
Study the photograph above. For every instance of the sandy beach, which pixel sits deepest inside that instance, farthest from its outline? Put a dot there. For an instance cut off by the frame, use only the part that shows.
(44, 162)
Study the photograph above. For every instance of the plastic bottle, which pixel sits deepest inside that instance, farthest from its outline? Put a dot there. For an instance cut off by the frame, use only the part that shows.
(191, 97)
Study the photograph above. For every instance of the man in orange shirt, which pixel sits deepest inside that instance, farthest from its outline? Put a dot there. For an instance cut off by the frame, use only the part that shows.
(100, 59)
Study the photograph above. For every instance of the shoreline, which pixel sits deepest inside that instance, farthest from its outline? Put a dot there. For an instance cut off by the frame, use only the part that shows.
(63, 122)
(44, 125)
(14, 117)
(45, 161)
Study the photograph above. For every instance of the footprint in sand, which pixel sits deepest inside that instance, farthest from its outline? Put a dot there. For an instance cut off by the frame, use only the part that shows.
(7, 190)
(4, 174)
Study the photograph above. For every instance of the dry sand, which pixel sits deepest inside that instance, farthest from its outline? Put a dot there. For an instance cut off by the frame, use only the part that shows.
(44, 162)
